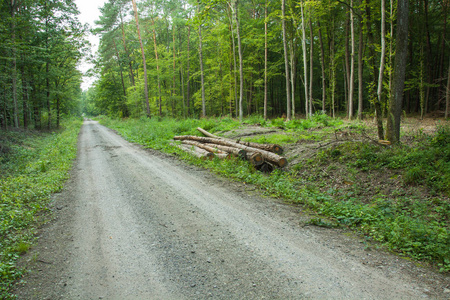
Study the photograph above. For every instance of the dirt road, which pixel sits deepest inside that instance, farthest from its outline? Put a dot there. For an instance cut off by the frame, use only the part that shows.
(132, 224)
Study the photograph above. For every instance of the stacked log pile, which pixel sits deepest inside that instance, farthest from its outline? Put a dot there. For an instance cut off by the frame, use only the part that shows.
(263, 156)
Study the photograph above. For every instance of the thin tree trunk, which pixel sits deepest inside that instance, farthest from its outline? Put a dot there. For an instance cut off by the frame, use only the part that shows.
(236, 104)
(305, 62)
(352, 63)
(120, 67)
(201, 66)
(311, 66)
(322, 64)
(360, 72)
(265, 61)
(187, 71)
(241, 67)
(383, 52)
(143, 58)
(126, 50)
(347, 64)
(293, 73)
(447, 96)
(157, 67)
(14, 64)
(174, 70)
(398, 85)
(286, 60)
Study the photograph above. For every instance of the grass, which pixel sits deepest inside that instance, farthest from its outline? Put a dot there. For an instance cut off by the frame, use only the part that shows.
(396, 195)
(32, 166)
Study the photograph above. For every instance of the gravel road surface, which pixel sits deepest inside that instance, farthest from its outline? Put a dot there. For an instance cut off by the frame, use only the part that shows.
(135, 224)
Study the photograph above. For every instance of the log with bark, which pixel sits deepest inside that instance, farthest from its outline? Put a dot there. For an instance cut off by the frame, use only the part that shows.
(275, 148)
(196, 151)
(267, 155)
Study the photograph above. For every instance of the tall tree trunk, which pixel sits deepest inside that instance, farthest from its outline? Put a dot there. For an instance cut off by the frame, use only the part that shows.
(143, 58)
(126, 50)
(447, 94)
(200, 51)
(374, 97)
(322, 64)
(25, 96)
(352, 63)
(360, 71)
(157, 67)
(174, 69)
(286, 60)
(236, 104)
(347, 63)
(305, 62)
(265, 60)
(311, 65)
(383, 52)
(49, 110)
(293, 71)
(332, 70)
(395, 103)
(14, 64)
(241, 65)
(188, 96)
(120, 68)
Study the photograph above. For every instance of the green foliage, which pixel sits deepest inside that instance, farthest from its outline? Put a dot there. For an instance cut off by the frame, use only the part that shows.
(36, 167)
(416, 227)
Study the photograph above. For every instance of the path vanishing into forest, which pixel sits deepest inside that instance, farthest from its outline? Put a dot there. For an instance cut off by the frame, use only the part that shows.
(136, 224)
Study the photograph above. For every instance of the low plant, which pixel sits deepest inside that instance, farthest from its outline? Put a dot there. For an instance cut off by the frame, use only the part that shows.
(36, 167)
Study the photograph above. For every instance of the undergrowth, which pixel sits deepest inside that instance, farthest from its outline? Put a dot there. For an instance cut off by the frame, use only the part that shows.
(414, 226)
(32, 166)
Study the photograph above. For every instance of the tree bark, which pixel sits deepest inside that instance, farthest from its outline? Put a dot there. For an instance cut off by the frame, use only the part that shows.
(395, 103)
(265, 60)
(14, 64)
(447, 95)
(241, 66)
(383, 52)
(311, 65)
(268, 147)
(272, 157)
(305, 62)
(360, 72)
(322, 64)
(286, 60)
(202, 79)
(157, 67)
(143, 58)
(188, 104)
(352, 63)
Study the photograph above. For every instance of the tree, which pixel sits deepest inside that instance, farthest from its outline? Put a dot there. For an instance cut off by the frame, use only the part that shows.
(144, 64)
(401, 53)
(286, 61)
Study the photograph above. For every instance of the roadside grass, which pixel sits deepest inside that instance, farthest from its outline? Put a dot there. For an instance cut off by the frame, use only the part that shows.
(33, 165)
(394, 195)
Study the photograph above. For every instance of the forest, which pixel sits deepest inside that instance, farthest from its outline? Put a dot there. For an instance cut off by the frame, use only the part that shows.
(219, 58)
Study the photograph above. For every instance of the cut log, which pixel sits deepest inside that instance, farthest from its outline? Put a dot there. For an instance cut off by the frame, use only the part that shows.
(197, 152)
(207, 147)
(235, 151)
(255, 158)
(275, 148)
(206, 133)
(271, 157)
(268, 147)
